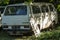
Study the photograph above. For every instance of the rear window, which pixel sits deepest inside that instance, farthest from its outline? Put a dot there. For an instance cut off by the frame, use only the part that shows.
(16, 10)
(35, 9)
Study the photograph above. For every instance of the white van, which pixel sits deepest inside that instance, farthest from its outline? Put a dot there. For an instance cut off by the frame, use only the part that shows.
(24, 18)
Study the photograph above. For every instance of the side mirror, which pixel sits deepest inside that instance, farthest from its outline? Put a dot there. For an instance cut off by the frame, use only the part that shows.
(1, 15)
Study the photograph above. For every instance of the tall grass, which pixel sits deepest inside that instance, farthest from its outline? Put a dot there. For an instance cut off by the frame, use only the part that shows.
(49, 35)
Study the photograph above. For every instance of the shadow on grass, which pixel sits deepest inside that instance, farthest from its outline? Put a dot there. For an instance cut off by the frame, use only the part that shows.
(5, 36)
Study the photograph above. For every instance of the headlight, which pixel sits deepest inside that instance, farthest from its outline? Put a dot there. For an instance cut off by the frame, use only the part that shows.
(10, 27)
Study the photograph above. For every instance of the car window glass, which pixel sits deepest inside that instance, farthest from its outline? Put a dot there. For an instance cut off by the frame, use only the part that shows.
(36, 9)
(51, 8)
(16, 10)
(44, 8)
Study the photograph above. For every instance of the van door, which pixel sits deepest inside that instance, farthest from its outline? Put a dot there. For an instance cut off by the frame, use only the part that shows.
(35, 19)
(45, 16)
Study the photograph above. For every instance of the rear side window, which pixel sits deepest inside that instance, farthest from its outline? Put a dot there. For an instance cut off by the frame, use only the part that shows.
(35, 9)
(44, 8)
(51, 7)
(16, 10)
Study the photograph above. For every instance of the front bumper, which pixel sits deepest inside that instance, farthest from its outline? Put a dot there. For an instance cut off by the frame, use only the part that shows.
(17, 28)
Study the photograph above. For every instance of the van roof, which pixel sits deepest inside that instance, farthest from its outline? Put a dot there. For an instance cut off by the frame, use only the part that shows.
(17, 4)
(30, 4)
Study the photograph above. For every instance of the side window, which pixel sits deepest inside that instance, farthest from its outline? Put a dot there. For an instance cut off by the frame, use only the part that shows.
(51, 7)
(44, 8)
(36, 9)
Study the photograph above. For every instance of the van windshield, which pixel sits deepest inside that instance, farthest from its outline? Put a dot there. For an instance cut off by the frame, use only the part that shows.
(16, 10)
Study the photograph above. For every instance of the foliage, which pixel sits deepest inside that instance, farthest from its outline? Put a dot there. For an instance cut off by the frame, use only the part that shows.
(29, 0)
(51, 1)
(2, 2)
(49, 35)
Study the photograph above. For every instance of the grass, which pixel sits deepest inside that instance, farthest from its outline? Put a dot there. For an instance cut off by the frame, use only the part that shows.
(49, 35)
(4, 36)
